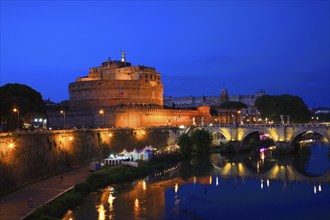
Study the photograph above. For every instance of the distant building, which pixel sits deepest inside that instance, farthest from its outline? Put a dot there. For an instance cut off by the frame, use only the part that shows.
(320, 115)
(246, 115)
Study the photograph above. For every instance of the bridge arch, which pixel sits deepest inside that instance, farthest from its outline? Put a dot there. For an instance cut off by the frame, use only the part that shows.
(253, 131)
(218, 137)
(299, 132)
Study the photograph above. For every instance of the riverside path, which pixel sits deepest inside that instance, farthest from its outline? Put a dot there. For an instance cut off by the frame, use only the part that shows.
(16, 206)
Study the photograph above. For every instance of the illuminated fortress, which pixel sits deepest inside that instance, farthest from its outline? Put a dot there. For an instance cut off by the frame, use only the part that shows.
(119, 95)
(117, 83)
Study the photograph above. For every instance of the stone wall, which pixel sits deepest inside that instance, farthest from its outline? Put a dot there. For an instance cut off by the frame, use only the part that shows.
(27, 156)
(130, 117)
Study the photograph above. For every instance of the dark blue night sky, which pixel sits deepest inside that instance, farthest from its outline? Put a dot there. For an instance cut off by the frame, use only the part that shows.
(199, 47)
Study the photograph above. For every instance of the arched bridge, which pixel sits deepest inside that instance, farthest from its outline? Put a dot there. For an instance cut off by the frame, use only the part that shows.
(280, 134)
(276, 171)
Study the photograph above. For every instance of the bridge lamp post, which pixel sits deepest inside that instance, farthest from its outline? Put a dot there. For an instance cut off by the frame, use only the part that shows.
(16, 109)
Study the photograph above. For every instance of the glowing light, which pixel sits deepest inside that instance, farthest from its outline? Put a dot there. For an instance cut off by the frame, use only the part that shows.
(314, 189)
(268, 183)
(11, 145)
(136, 203)
(194, 179)
(262, 184)
(262, 156)
(210, 180)
(15, 110)
(101, 112)
(70, 138)
(258, 166)
(320, 188)
(176, 187)
(144, 185)
(101, 212)
(216, 181)
(110, 201)
(143, 132)
(110, 134)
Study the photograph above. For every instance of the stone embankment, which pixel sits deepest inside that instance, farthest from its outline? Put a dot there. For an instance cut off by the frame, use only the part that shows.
(27, 157)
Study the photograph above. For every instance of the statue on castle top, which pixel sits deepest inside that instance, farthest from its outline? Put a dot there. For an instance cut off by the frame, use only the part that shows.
(123, 56)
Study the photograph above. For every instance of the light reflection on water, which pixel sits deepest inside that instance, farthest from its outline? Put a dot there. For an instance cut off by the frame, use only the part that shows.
(237, 186)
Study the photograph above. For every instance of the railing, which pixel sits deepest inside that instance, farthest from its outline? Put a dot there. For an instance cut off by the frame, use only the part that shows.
(264, 125)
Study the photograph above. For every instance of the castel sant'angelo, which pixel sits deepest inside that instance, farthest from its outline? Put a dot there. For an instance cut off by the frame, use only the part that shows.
(117, 94)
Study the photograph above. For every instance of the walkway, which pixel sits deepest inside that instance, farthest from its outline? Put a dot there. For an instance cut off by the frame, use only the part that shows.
(15, 206)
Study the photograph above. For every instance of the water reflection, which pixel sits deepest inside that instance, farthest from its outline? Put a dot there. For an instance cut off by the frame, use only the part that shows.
(101, 211)
(254, 185)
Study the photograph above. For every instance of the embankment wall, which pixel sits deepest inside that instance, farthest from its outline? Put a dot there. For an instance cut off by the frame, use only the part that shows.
(28, 156)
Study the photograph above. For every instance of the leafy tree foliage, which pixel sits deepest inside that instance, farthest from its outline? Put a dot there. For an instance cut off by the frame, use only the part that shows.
(272, 107)
(201, 140)
(185, 144)
(213, 112)
(28, 101)
(232, 105)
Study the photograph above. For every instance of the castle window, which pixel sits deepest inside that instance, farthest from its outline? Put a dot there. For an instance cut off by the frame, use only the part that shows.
(146, 75)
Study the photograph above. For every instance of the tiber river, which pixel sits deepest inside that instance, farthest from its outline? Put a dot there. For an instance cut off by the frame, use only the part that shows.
(259, 186)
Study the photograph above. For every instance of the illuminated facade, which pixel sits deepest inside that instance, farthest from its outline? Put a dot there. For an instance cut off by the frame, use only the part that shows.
(117, 83)
(117, 94)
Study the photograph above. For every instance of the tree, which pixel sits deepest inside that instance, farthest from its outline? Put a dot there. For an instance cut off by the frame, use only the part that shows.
(272, 107)
(185, 144)
(232, 105)
(28, 101)
(213, 111)
(201, 140)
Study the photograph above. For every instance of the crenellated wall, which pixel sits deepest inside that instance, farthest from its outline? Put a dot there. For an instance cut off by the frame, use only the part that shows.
(26, 156)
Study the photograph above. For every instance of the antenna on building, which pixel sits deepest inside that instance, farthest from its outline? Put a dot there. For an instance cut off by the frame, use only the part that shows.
(123, 59)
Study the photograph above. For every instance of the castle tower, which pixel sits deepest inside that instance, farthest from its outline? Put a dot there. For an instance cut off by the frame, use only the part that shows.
(117, 83)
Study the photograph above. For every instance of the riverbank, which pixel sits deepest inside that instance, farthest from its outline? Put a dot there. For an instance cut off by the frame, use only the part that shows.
(15, 205)
(28, 157)
(98, 180)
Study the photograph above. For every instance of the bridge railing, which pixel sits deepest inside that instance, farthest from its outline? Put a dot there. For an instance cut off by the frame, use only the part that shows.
(264, 125)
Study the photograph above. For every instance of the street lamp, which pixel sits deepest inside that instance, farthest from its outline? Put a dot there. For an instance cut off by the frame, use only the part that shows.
(101, 113)
(17, 110)
(63, 113)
